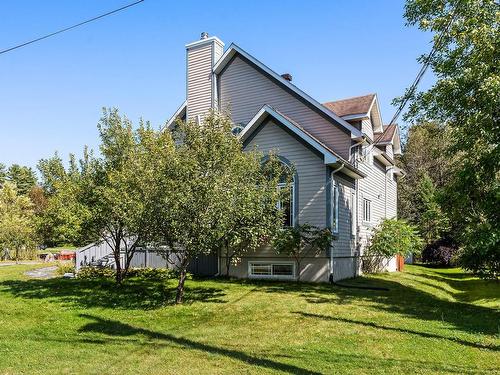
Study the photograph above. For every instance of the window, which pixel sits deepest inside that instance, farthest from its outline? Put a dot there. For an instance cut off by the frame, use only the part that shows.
(367, 214)
(237, 129)
(368, 155)
(335, 206)
(287, 204)
(353, 214)
(271, 270)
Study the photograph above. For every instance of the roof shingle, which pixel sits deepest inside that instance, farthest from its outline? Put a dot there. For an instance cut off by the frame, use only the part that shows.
(351, 106)
(387, 134)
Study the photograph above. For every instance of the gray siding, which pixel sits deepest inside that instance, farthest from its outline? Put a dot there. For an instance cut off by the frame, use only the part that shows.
(371, 187)
(199, 80)
(344, 244)
(391, 196)
(388, 151)
(366, 127)
(244, 90)
(310, 170)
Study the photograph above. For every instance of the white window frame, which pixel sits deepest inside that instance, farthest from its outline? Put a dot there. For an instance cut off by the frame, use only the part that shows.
(334, 209)
(367, 210)
(354, 210)
(271, 276)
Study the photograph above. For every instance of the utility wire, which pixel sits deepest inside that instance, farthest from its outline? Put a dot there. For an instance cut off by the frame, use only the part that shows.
(424, 67)
(70, 27)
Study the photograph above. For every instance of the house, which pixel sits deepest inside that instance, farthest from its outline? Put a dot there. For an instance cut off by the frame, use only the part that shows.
(342, 153)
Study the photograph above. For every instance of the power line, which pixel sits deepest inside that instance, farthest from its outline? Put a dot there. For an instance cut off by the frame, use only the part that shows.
(423, 69)
(69, 28)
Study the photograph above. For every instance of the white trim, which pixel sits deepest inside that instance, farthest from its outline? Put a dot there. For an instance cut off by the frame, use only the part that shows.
(175, 115)
(201, 42)
(356, 116)
(271, 263)
(334, 209)
(233, 49)
(381, 122)
(329, 158)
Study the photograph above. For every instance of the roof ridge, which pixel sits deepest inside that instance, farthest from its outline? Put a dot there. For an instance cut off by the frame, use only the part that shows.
(351, 98)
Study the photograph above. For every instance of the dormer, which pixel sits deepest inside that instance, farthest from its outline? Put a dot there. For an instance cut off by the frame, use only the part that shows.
(361, 111)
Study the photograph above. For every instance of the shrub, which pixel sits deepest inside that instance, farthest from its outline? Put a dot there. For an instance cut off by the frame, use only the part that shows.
(395, 237)
(90, 273)
(65, 267)
(441, 252)
(151, 273)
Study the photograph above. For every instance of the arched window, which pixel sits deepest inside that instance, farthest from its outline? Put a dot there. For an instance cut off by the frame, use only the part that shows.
(287, 203)
(288, 181)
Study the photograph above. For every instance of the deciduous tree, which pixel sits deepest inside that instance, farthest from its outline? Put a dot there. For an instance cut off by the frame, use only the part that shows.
(301, 241)
(465, 98)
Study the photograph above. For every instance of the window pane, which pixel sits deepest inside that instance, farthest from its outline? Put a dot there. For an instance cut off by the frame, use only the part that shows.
(282, 269)
(286, 205)
(261, 269)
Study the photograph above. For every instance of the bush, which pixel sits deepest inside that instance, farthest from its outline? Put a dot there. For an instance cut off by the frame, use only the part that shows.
(151, 273)
(441, 252)
(65, 267)
(395, 237)
(90, 273)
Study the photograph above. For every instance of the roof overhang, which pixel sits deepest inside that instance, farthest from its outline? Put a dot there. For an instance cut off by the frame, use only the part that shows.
(233, 50)
(177, 114)
(329, 156)
(382, 157)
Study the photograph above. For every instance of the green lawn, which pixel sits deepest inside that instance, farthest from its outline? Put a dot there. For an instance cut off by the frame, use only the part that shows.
(430, 320)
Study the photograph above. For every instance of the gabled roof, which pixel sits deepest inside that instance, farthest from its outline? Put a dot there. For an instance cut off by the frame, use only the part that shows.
(391, 136)
(359, 105)
(179, 113)
(329, 156)
(387, 135)
(234, 50)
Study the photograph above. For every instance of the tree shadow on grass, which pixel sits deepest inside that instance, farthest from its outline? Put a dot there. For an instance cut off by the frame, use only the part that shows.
(399, 330)
(405, 299)
(117, 328)
(133, 294)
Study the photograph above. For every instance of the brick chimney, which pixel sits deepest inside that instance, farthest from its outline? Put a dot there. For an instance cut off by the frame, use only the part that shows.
(201, 92)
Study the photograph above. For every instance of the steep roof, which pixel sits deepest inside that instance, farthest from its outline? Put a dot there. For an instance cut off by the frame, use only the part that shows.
(330, 156)
(387, 135)
(333, 117)
(351, 106)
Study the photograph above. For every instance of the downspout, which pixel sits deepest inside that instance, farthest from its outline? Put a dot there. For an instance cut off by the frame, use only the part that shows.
(331, 247)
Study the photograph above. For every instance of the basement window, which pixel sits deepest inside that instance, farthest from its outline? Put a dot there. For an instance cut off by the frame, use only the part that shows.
(275, 270)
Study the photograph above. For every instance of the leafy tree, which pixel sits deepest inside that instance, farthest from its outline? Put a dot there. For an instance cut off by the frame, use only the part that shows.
(123, 182)
(51, 171)
(253, 218)
(3, 174)
(301, 241)
(208, 171)
(424, 152)
(430, 220)
(17, 230)
(465, 98)
(23, 177)
(394, 237)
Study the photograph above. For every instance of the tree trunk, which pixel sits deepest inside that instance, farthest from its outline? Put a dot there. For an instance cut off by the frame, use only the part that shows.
(228, 263)
(180, 286)
(116, 254)
(298, 270)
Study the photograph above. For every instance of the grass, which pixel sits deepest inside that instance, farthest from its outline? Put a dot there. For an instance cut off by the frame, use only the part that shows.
(430, 321)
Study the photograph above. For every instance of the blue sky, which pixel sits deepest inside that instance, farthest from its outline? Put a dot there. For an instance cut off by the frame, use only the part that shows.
(52, 92)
